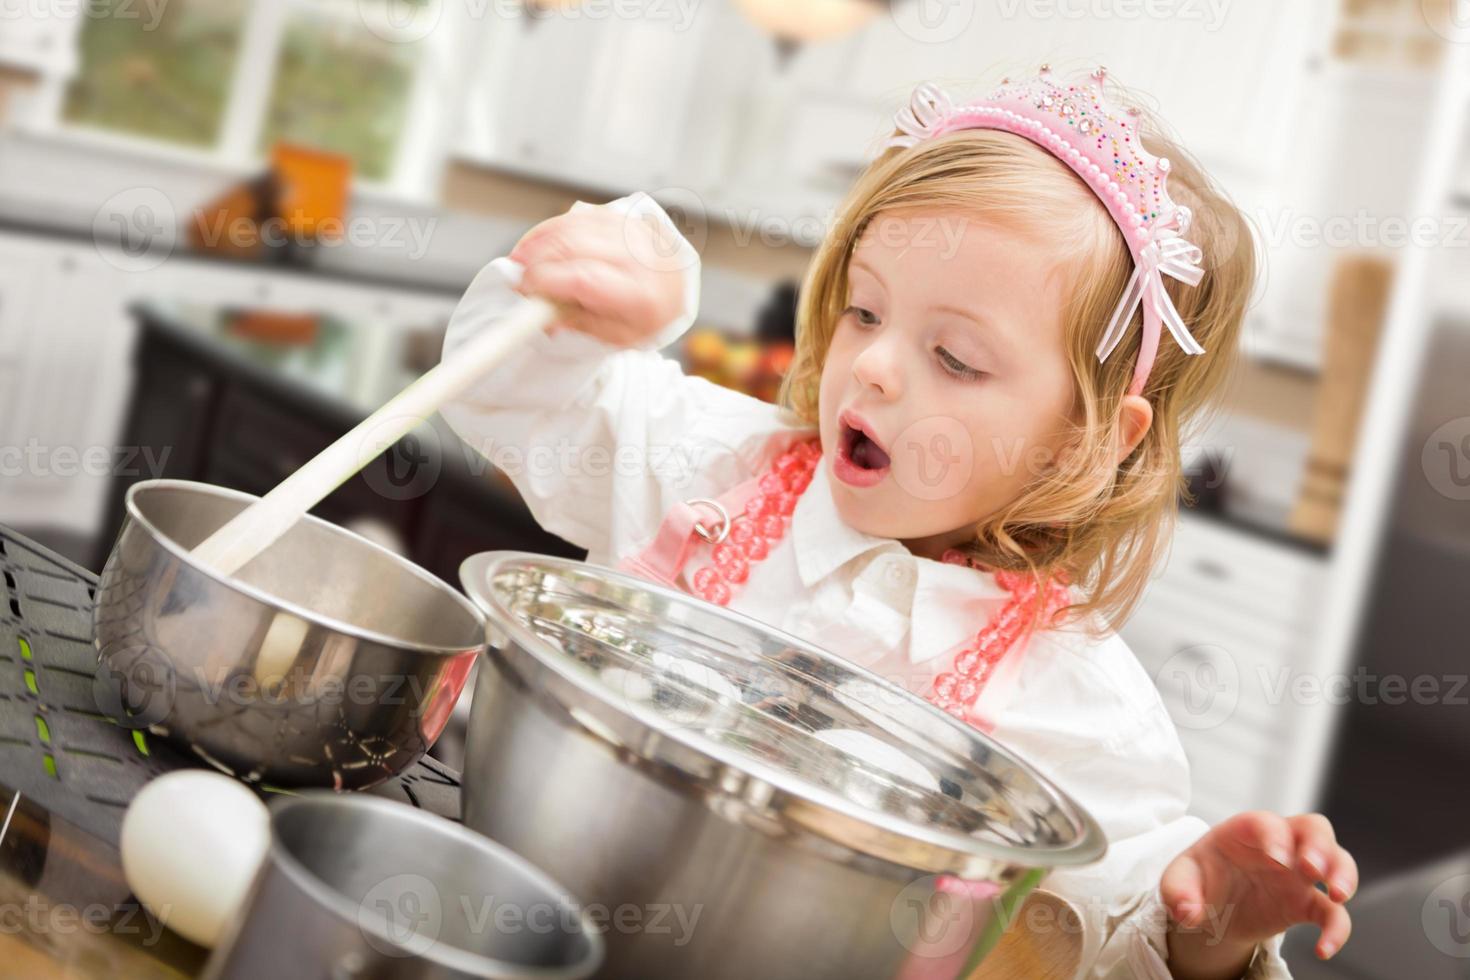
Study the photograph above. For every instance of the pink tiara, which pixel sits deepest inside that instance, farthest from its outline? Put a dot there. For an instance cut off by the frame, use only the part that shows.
(1075, 124)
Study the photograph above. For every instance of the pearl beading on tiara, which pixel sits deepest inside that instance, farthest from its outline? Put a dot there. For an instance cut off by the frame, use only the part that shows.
(1075, 124)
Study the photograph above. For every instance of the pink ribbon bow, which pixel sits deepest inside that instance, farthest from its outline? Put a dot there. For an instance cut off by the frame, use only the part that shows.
(928, 110)
(1167, 255)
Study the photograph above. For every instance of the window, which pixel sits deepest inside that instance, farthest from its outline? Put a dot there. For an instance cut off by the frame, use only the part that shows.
(236, 76)
(340, 87)
(169, 80)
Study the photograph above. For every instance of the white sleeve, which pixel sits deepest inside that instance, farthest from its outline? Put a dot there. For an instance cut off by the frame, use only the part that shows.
(600, 441)
(1090, 719)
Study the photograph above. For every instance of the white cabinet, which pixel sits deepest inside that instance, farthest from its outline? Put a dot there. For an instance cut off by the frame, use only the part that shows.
(64, 338)
(1323, 210)
(41, 37)
(527, 109)
(624, 103)
(601, 101)
(66, 370)
(1225, 631)
(19, 270)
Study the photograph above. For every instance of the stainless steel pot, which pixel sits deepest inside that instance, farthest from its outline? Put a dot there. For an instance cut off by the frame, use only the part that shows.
(749, 804)
(358, 887)
(327, 661)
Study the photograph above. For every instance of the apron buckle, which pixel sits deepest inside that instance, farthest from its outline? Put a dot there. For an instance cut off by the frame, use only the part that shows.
(724, 526)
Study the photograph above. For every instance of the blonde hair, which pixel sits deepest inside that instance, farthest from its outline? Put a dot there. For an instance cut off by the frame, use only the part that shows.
(1100, 524)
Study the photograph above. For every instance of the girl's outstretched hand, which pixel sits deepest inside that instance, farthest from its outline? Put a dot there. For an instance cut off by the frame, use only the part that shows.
(610, 273)
(1249, 878)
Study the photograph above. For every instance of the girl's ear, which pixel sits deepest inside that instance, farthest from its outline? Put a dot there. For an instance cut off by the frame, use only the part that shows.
(1135, 415)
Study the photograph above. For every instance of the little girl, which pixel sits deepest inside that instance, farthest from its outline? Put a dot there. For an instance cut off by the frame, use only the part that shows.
(972, 472)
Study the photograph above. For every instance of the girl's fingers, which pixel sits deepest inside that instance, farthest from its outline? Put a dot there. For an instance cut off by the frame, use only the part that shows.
(1315, 845)
(1334, 921)
(595, 298)
(588, 284)
(1342, 874)
(1182, 890)
(595, 233)
(537, 236)
(1264, 836)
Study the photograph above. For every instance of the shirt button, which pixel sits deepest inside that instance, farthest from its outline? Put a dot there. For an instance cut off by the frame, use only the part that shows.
(898, 573)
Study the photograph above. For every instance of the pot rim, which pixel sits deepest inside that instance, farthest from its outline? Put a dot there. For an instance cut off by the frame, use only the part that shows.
(445, 954)
(1089, 843)
(286, 605)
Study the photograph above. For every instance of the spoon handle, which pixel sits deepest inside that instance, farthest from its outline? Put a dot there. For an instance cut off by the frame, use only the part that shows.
(257, 527)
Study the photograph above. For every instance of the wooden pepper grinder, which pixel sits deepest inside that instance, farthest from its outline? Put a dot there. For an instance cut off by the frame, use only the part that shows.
(1358, 301)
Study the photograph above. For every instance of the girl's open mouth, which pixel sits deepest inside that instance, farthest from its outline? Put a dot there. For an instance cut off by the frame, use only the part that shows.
(860, 461)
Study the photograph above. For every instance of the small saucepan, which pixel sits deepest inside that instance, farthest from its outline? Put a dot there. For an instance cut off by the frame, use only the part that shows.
(328, 661)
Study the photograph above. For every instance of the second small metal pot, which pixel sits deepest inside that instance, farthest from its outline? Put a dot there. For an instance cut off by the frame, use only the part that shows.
(358, 886)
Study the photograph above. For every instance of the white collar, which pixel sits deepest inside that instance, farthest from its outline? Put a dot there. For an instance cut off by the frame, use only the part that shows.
(948, 603)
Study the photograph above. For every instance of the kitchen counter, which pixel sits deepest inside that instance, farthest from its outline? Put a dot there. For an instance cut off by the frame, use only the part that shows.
(214, 407)
(67, 911)
(434, 281)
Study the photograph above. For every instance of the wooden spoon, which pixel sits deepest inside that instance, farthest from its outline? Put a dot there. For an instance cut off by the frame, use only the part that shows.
(261, 524)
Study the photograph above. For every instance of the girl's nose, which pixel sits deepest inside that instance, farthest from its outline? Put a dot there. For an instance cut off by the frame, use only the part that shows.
(877, 366)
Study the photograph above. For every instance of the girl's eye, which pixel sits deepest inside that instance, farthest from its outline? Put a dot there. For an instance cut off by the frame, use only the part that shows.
(957, 367)
(865, 317)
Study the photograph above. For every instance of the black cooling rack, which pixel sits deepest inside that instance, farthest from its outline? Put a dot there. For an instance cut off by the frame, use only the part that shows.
(56, 746)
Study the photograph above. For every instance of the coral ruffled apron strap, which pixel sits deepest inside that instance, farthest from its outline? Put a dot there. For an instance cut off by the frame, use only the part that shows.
(684, 527)
(999, 688)
(985, 668)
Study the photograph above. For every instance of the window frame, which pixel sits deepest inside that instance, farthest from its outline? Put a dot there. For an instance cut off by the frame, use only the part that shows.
(422, 147)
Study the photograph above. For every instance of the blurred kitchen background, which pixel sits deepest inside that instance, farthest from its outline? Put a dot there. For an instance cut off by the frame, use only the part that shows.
(230, 228)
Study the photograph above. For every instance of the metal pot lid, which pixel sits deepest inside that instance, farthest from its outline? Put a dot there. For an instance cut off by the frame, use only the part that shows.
(769, 729)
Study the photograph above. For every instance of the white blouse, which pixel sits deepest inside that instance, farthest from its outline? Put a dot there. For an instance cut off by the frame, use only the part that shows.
(601, 442)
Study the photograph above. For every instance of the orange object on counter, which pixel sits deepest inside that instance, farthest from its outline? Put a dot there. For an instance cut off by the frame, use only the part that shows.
(748, 366)
(312, 189)
(229, 224)
(274, 327)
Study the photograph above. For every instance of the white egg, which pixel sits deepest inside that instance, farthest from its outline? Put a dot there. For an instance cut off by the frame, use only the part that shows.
(191, 843)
